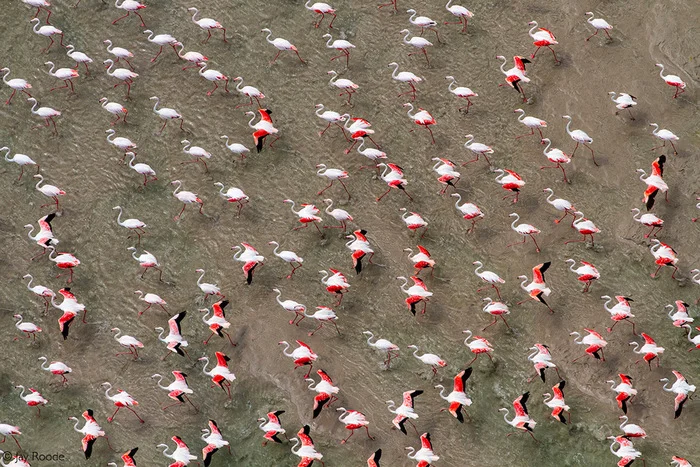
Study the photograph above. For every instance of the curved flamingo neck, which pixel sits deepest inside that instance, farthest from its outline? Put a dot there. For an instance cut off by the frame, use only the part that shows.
(52, 67)
(240, 83)
(160, 378)
(410, 106)
(206, 364)
(150, 36)
(396, 70)
(533, 28)
(546, 149)
(608, 299)
(568, 126)
(661, 73)
(504, 64)
(590, 18)
(469, 336)
(296, 443)
(109, 388)
(522, 114)
(335, 76)
(328, 208)
(512, 225)
(405, 282)
(269, 33)
(636, 346)
(286, 344)
(442, 390)
(179, 183)
(505, 416)
(405, 38)
(330, 38)
(655, 131)
(119, 216)
(109, 68)
(34, 107)
(196, 12)
(131, 162)
(4, 77)
(157, 99)
(199, 281)
(319, 108)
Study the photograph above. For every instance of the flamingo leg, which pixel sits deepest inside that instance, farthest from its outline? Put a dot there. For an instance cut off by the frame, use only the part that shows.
(134, 412)
(532, 131)
(157, 55)
(384, 194)
(594, 34)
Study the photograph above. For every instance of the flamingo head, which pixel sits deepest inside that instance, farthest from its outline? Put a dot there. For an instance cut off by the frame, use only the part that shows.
(250, 113)
(500, 57)
(327, 200)
(238, 78)
(327, 35)
(403, 31)
(548, 190)
(410, 10)
(588, 13)
(522, 277)
(659, 65)
(265, 30)
(114, 329)
(332, 72)
(104, 99)
(513, 214)
(449, 77)
(287, 201)
(147, 31)
(568, 117)
(413, 347)
(518, 110)
(532, 23)
(17, 316)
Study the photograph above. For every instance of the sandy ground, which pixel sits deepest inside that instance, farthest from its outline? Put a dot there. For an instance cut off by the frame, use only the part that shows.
(81, 162)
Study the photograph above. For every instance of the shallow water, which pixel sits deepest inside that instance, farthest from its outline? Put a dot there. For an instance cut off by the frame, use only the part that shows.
(81, 162)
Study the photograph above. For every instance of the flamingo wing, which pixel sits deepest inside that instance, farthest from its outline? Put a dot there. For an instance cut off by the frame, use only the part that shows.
(395, 168)
(218, 308)
(274, 416)
(222, 359)
(265, 114)
(519, 404)
(461, 379)
(558, 389)
(678, 375)
(249, 248)
(373, 460)
(306, 346)
(175, 321)
(67, 294)
(214, 427)
(88, 415)
(324, 376)
(539, 270)
(424, 251)
(319, 401)
(657, 167)
(626, 379)
(128, 457)
(425, 441)
(409, 397)
(207, 453)
(417, 281)
(514, 174)
(45, 222)
(648, 339)
(304, 436)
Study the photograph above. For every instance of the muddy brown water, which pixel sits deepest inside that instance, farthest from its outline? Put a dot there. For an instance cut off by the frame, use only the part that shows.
(82, 163)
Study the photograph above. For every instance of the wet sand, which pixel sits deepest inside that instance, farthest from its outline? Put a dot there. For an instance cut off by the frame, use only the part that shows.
(81, 162)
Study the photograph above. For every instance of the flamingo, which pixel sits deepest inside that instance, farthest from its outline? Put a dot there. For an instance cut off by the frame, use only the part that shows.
(186, 197)
(47, 113)
(488, 277)
(307, 452)
(584, 227)
(341, 46)
(414, 221)
(360, 247)
(174, 341)
(291, 306)
(302, 355)
(64, 261)
(447, 175)
(680, 317)
(121, 143)
(421, 260)
(160, 40)
(425, 455)
(664, 135)
(532, 123)
(671, 80)
(151, 299)
(307, 215)
(79, 58)
(391, 349)
(580, 137)
(405, 412)
(525, 230)
(40, 290)
(45, 238)
(599, 24)
(417, 42)
(338, 214)
(166, 113)
(418, 292)
(521, 420)
(460, 92)
(19, 159)
(625, 391)
(196, 58)
(250, 258)
(497, 310)
(331, 117)
(516, 75)
(198, 153)
(326, 392)
(469, 211)
(206, 288)
(220, 375)
(693, 340)
(510, 181)
(130, 6)
(664, 255)
(17, 84)
(115, 109)
(353, 420)
(125, 76)
(478, 149)
(248, 91)
(343, 84)
(322, 9)
(560, 205)
(542, 38)
(477, 346)
(214, 440)
(557, 403)
(119, 53)
(272, 427)
(587, 273)
(621, 311)
(429, 359)
(46, 31)
(121, 399)
(281, 45)
(177, 390)
(217, 323)
(422, 118)
(332, 175)
(32, 399)
(654, 181)
(537, 289)
(682, 388)
(143, 169)
(129, 342)
(649, 220)
(626, 452)
(336, 284)
(370, 153)
(91, 430)
(181, 455)
(405, 77)
(541, 359)
(133, 225)
(289, 257)
(423, 22)
(458, 398)
(233, 195)
(358, 128)
(70, 304)
(236, 148)
(680, 462)
(146, 261)
(263, 128)
(650, 350)
(213, 76)
(29, 329)
(460, 12)
(128, 458)
(207, 24)
(624, 101)
(10, 430)
(594, 341)
(393, 176)
(39, 5)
